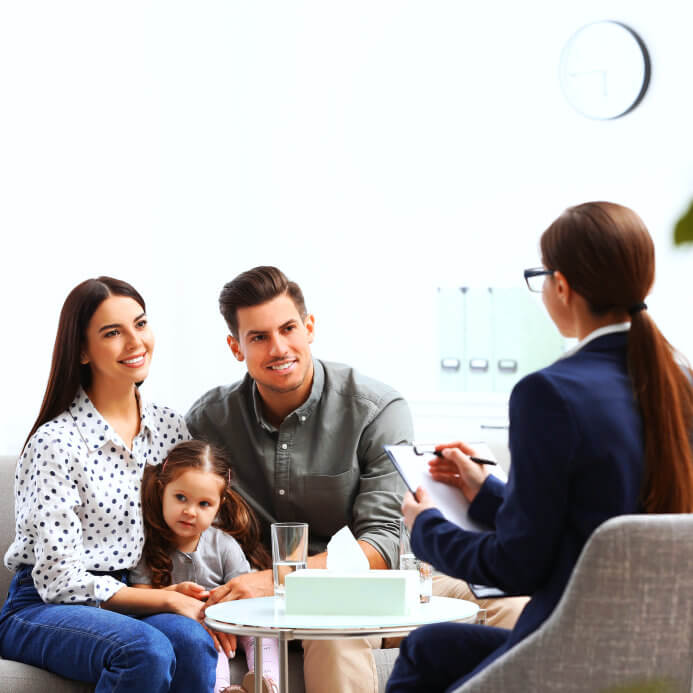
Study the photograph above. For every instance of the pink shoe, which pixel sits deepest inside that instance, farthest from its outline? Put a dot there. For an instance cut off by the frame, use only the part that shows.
(268, 686)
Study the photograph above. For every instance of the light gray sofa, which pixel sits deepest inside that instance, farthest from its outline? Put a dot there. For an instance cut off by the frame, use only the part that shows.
(21, 678)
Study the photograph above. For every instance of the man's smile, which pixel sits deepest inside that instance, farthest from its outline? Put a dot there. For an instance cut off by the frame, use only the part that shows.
(282, 366)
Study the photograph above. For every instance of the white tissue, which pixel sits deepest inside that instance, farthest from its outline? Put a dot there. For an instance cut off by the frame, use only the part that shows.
(344, 554)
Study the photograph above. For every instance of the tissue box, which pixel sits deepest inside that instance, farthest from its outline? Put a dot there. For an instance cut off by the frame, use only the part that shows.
(332, 593)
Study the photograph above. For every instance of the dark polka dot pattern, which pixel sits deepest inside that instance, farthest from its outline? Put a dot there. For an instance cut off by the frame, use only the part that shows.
(77, 499)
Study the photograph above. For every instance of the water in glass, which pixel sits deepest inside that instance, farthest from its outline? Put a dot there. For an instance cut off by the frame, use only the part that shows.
(280, 570)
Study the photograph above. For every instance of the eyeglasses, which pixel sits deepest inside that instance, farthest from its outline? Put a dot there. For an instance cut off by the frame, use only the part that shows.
(535, 278)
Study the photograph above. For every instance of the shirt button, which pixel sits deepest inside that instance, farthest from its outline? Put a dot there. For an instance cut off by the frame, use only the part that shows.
(303, 418)
(284, 446)
(281, 491)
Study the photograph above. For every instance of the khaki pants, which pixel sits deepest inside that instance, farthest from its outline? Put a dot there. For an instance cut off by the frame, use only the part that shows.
(347, 666)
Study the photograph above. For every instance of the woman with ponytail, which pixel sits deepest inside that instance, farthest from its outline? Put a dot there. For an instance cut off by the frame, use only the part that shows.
(602, 432)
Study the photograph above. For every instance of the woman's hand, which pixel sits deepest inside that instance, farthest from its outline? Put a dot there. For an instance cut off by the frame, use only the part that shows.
(179, 603)
(456, 469)
(186, 603)
(411, 507)
(184, 598)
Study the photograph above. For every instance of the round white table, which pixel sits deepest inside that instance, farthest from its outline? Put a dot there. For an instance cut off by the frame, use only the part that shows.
(265, 617)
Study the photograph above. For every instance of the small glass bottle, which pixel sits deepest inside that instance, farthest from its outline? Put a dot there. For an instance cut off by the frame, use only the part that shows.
(408, 561)
(425, 582)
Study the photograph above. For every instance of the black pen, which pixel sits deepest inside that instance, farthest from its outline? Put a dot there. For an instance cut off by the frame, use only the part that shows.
(438, 453)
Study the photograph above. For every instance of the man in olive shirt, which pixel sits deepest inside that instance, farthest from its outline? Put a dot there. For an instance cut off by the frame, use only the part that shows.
(324, 463)
(305, 440)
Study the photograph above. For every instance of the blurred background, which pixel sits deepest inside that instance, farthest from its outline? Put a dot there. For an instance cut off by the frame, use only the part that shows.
(382, 153)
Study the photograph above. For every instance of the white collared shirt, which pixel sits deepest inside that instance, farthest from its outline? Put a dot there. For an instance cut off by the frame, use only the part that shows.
(77, 499)
(599, 332)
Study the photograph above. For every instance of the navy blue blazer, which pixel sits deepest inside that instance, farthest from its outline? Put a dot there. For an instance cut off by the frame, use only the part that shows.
(577, 453)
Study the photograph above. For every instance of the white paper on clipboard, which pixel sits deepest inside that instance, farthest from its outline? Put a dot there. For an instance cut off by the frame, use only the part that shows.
(449, 500)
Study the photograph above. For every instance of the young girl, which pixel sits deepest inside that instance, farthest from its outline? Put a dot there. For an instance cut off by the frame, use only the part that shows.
(198, 532)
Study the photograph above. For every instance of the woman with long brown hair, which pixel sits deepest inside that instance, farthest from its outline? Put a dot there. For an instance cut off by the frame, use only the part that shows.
(602, 432)
(198, 533)
(77, 520)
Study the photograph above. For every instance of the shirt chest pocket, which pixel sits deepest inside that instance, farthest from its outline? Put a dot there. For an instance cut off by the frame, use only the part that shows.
(326, 500)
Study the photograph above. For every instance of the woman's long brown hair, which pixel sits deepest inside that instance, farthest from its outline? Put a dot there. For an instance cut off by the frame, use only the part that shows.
(607, 256)
(234, 516)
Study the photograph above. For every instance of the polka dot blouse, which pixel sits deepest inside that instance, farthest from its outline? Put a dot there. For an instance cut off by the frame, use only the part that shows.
(77, 500)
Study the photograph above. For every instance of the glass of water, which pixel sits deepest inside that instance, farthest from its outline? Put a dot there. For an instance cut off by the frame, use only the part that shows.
(289, 551)
(408, 561)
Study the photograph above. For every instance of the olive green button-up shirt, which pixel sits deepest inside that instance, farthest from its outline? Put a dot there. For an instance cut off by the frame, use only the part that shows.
(325, 464)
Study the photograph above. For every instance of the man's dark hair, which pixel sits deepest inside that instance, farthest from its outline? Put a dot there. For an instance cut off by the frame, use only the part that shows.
(254, 287)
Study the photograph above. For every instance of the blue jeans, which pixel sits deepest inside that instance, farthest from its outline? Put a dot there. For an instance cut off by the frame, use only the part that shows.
(119, 653)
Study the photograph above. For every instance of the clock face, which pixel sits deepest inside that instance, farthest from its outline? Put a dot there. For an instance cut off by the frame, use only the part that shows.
(605, 70)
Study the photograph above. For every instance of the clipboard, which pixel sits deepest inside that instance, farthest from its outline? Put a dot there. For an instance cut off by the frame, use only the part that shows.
(413, 468)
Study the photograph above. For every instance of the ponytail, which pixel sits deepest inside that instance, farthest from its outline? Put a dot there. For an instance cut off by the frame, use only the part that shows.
(665, 397)
(237, 519)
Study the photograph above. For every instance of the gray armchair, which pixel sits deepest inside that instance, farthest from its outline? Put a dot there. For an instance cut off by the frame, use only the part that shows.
(624, 623)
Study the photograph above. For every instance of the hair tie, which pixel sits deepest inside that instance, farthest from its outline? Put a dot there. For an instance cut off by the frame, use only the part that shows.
(637, 307)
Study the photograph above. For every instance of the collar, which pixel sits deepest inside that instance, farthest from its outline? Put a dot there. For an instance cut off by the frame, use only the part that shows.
(93, 428)
(148, 419)
(599, 332)
(303, 412)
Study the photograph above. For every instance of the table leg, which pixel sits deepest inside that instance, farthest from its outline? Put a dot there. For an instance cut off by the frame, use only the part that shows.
(283, 664)
(258, 665)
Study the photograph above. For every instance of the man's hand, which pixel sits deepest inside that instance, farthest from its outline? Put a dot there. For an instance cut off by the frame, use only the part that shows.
(411, 507)
(456, 469)
(258, 584)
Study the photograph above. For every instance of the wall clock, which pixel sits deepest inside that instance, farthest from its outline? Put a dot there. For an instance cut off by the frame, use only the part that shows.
(604, 70)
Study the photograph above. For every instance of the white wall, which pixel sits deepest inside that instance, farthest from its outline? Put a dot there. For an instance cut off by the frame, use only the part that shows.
(372, 149)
